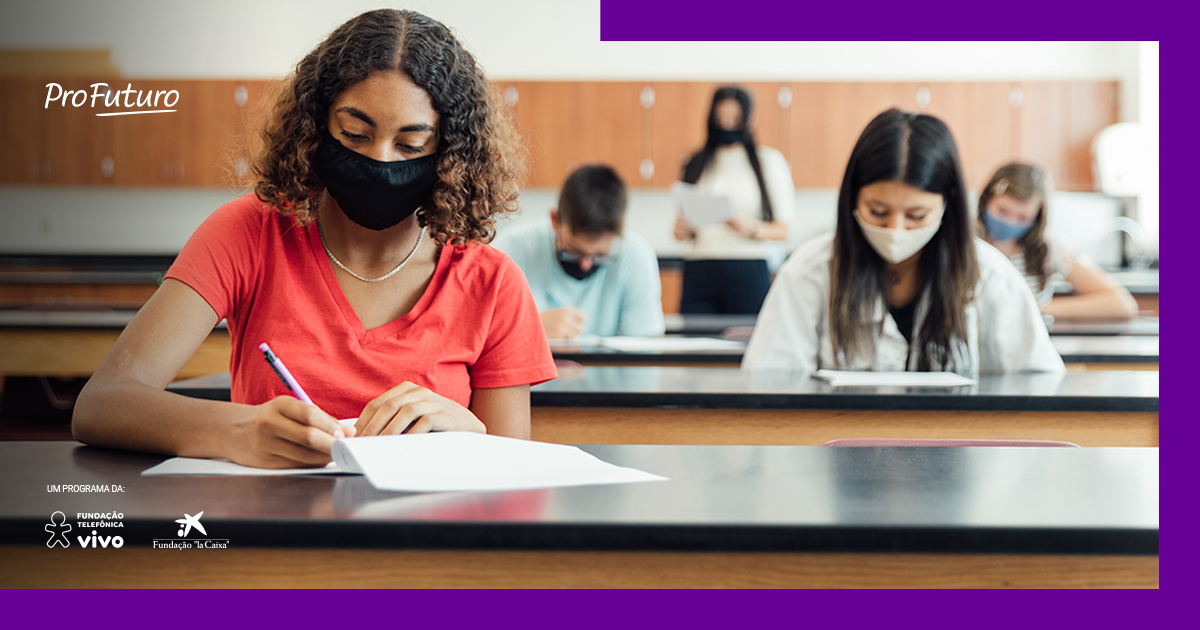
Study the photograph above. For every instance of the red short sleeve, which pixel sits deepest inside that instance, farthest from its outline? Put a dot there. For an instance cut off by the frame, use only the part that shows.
(218, 261)
(515, 351)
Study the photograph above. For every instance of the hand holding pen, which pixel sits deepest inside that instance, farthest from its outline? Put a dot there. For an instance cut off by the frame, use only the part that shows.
(290, 381)
(563, 322)
(285, 432)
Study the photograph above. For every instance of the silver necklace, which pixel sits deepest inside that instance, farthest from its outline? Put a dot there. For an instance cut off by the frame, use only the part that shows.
(389, 274)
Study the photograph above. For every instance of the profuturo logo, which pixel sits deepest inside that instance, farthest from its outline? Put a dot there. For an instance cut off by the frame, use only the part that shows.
(187, 524)
(108, 97)
(58, 529)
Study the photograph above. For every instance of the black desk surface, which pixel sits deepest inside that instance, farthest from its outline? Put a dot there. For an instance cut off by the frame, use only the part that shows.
(716, 324)
(1072, 348)
(732, 388)
(103, 318)
(738, 389)
(769, 498)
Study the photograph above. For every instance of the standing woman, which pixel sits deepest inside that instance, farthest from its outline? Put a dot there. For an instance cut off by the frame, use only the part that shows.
(359, 258)
(902, 284)
(1012, 215)
(726, 270)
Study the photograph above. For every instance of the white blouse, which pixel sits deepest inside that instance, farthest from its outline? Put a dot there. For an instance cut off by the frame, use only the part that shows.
(1005, 330)
(730, 174)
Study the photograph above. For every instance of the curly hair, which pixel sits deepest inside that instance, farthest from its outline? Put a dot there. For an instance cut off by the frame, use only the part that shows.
(480, 157)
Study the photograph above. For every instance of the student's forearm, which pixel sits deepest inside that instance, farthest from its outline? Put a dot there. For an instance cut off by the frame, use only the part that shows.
(772, 231)
(132, 415)
(1105, 305)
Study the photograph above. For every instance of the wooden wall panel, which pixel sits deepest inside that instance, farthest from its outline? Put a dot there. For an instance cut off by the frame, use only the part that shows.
(52, 145)
(1090, 107)
(545, 118)
(680, 125)
(1041, 138)
(611, 121)
(211, 139)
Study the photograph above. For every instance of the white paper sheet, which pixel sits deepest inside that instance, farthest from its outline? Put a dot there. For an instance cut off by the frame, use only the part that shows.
(668, 344)
(439, 462)
(892, 379)
(224, 467)
(456, 460)
(581, 341)
(701, 208)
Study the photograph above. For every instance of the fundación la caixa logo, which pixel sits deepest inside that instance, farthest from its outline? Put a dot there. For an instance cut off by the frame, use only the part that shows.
(182, 541)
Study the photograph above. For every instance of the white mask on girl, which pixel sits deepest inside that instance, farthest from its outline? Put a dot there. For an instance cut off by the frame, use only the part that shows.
(896, 246)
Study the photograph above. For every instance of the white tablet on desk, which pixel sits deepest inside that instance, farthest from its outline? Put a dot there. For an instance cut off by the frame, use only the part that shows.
(699, 207)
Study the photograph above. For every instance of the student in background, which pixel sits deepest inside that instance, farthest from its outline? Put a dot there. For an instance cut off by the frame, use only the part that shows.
(585, 273)
(1012, 216)
(726, 270)
(901, 284)
(359, 259)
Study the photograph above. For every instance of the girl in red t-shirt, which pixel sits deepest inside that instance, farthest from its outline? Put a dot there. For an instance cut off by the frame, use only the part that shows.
(360, 259)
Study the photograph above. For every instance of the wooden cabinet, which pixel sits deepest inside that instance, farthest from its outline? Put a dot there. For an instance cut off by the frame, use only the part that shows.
(645, 130)
(620, 129)
(1091, 106)
(1057, 121)
(679, 122)
(679, 126)
(980, 117)
(546, 118)
(568, 124)
(196, 145)
(826, 120)
(53, 145)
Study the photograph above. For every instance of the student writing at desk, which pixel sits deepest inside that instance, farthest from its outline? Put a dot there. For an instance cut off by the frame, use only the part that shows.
(902, 284)
(359, 259)
(586, 274)
(1013, 212)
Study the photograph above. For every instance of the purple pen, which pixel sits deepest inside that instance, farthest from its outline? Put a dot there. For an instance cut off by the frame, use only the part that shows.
(284, 374)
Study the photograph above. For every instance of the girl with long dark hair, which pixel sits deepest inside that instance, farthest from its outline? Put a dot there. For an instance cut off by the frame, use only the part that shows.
(726, 270)
(902, 284)
(360, 258)
(1013, 212)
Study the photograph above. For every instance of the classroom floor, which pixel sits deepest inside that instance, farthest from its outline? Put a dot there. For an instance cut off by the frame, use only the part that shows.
(37, 409)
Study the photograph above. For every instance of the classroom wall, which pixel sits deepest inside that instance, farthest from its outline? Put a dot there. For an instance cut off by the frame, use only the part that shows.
(519, 40)
(526, 40)
(159, 221)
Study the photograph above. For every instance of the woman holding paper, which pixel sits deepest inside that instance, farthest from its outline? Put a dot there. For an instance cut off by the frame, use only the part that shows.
(726, 270)
(901, 284)
(360, 259)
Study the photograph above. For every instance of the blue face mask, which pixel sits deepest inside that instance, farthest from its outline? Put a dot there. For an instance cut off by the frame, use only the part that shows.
(1003, 230)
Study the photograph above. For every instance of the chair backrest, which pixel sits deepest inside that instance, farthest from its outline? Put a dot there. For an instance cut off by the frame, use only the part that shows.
(928, 442)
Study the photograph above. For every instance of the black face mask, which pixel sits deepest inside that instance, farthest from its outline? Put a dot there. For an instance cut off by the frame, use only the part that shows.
(376, 195)
(728, 136)
(574, 270)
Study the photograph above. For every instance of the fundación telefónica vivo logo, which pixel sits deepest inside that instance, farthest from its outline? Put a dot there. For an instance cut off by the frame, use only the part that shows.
(186, 525)
(58, 528)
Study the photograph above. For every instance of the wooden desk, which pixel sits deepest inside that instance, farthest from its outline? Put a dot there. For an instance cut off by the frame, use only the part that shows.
(716, 324)
(664, 405)
(729, 516)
